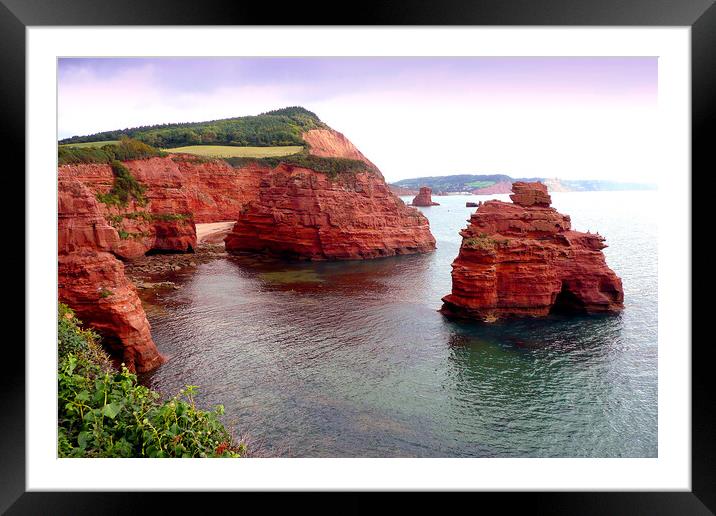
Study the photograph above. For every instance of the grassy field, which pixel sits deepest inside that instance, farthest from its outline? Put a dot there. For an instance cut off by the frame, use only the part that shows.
(91, 144)
(225, 151)
(480, 184)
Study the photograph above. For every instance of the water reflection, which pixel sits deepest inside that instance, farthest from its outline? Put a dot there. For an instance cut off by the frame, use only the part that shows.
(336, 359)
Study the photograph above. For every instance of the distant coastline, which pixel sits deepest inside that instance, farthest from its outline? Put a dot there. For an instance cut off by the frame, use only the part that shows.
(490, 184)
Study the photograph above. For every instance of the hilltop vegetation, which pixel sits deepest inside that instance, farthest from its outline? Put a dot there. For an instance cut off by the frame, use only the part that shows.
(124, 150)
(281, 127)
(126, 186)
(332, 167)
(454, 183)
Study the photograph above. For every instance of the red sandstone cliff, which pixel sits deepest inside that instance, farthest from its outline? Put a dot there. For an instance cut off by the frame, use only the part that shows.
(328, 143)
(286, 209)
(306, 214)
(216, 191)
(424, 197)
(523, 259)
(165, 223)
(92, 282)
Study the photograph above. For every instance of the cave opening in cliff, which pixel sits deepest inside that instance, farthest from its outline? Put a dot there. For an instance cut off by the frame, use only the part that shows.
(567, 303)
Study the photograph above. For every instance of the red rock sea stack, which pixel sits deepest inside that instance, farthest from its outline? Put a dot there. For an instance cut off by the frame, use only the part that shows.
(305, 214)
(424, 197)
(523, 259)
(301, 213)
(92, 282)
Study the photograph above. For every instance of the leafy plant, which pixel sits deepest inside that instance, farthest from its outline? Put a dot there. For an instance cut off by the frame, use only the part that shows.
(105, 292)
(105, 413)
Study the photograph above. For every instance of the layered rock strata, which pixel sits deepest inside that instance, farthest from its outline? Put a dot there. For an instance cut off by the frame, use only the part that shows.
(287, 209)
(523, 259)
(424, 197)
(304, 214)
(162, 223)
(216, 191)
(92, 281)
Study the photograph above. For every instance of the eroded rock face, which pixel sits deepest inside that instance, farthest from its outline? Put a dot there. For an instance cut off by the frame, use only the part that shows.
(286, 210)
(306, 214)
(328, 143)
(216, 191)
(91, 280)
(165, 223)
(523, 259)
(424, 197)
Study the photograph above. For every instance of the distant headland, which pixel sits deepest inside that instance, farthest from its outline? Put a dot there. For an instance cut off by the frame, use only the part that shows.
(489, 184)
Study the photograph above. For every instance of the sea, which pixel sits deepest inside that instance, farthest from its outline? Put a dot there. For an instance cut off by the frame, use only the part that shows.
(353, 359)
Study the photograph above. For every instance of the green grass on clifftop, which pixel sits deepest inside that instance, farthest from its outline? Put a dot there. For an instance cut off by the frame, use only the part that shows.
(332, 167)
(126, 149)
(278, 128)
(92, 144)
(227, 151)
(106, 413)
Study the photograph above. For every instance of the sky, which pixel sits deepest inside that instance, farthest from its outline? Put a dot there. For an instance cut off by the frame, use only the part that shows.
(565, 117)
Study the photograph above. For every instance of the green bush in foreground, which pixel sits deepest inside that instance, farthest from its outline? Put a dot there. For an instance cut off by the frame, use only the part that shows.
(105, 413)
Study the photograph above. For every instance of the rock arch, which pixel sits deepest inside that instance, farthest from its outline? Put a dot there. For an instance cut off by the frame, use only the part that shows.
(568, 301)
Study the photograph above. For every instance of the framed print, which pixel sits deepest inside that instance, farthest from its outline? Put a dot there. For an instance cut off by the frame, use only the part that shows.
(448, 251)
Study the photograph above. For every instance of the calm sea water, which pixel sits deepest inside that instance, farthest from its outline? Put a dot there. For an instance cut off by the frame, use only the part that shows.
(352, 359)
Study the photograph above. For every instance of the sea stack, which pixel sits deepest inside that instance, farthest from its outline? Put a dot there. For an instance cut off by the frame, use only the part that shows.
(342, 213)
(328, 202)
(523, 259)
(424, 197)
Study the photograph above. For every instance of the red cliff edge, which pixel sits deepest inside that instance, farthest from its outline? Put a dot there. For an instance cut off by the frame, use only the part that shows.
(287, 210)
(523, 259)
(92, 281)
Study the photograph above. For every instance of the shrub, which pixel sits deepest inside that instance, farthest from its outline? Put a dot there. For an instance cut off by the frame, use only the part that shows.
(332, 167)
(479, 242)
(125, 187)
(105, 413)
(126, 149)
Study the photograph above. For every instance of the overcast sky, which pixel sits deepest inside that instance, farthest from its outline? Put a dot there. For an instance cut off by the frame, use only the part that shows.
(576, 118)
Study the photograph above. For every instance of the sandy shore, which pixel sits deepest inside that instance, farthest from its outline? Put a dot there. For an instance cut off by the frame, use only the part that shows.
(213, 233)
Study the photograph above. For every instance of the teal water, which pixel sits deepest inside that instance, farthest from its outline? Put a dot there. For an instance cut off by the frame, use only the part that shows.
(352, 359)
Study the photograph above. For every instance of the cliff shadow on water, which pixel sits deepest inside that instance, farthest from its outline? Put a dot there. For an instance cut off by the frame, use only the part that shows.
(353, 359)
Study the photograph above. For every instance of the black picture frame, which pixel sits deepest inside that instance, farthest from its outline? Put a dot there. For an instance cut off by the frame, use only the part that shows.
(700, 15)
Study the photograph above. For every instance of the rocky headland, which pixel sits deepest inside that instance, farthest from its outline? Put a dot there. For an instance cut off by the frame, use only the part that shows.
(523, 259)
(329, 202)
